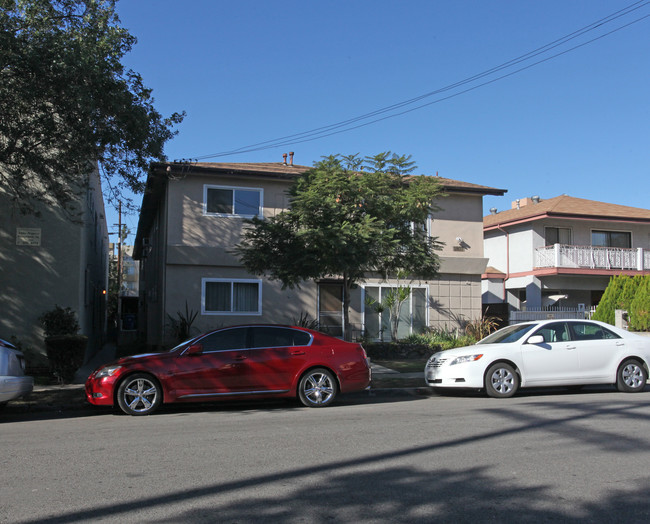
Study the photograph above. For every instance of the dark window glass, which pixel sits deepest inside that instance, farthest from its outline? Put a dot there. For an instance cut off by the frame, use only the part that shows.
(557, 235)
(217, 296)
(587, 331)
(611, 239)
(225, 339)
(272, 337)
(219, 201)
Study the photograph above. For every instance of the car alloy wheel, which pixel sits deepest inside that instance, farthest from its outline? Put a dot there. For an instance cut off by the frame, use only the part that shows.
(139, 394)
(631, 376)
(501, 381)
(317, 388)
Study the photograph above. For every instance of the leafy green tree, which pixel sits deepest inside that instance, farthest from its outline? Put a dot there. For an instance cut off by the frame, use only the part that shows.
(609, 303)
(67, 103)
(348, 217)
(640, 306)
(628, 291)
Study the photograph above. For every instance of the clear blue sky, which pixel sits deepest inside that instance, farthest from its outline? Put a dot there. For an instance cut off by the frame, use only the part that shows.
(248, 71)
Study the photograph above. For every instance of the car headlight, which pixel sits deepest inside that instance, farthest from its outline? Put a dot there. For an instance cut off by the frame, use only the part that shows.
(465, 358)
(107, 371)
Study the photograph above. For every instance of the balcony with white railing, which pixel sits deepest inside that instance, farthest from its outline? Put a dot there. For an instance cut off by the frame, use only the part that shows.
(591, 257)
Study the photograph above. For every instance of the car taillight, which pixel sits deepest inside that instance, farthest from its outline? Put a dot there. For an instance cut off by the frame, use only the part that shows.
(363, 351)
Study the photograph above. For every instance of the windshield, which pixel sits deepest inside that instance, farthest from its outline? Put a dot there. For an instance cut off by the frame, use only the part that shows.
(508, 334)
(184, 343)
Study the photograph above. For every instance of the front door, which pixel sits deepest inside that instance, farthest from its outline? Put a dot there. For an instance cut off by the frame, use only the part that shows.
(220, 368)
(330, 309)
(553, 362)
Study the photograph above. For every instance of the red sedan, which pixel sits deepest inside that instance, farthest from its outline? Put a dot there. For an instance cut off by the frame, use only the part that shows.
(235, 362)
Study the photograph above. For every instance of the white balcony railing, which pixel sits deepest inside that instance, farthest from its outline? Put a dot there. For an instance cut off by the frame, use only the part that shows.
(590, 257)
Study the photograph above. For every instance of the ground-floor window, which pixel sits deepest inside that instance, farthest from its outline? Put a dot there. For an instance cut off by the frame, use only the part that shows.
(231, 296)
(413, 315)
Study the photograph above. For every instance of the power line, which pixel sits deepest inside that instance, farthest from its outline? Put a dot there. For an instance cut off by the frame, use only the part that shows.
(347, 125)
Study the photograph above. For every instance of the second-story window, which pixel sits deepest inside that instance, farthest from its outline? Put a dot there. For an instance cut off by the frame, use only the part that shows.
(557, 235)
(232, 201)
(611, 239)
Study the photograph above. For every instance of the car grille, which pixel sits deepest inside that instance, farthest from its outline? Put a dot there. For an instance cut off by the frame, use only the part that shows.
(436, 363)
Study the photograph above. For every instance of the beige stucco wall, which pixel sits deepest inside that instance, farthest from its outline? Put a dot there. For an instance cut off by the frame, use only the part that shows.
(188, 226)
(67, 267)
(195, 246)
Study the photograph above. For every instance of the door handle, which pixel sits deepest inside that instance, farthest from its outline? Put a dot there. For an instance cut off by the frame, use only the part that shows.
(570, 347)
(240, 357)
(297, 352)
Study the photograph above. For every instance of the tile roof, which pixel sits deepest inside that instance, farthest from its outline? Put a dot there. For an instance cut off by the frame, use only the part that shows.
(566, 206)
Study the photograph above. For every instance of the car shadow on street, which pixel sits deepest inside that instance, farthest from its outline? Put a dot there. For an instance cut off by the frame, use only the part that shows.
(84, 409)
(387, 487)
(537, 391)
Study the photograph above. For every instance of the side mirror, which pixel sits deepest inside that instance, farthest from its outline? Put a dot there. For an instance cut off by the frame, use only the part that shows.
(535, 339)
(195, 349)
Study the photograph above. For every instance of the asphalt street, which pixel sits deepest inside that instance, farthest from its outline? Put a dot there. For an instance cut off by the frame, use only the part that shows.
(541, 456)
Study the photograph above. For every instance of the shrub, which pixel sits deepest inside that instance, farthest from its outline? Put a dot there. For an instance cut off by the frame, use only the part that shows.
(482, 327)
(181, 326)
(66, 355)
(609, 303)
(306, 321)
(59, 321)
(64, 347)
(640, 306)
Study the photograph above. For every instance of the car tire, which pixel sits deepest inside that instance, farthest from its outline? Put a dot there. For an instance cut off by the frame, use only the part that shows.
(631, 376)
(501, 381)
(317, 388)
(139, 394)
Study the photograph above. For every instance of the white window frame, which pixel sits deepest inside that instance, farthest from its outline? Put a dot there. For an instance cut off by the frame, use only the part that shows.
(232, 281)
(234, 189)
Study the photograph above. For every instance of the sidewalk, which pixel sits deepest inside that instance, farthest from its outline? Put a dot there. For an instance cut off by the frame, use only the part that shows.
(72, 397)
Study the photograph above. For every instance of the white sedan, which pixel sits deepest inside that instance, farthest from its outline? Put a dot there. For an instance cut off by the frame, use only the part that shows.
(547, 353)
(13, 382)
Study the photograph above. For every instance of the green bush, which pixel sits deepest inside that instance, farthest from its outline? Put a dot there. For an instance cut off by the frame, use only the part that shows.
(609, 303)
(639, 309)
(65, 349)
(66, 355)
(59, 321)
(630, 287)
(441, 338)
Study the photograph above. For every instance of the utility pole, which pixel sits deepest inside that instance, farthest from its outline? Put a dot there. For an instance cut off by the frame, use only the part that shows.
(119, 270)
(119, 253)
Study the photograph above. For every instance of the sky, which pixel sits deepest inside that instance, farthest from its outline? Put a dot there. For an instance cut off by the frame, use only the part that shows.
(253, 71)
